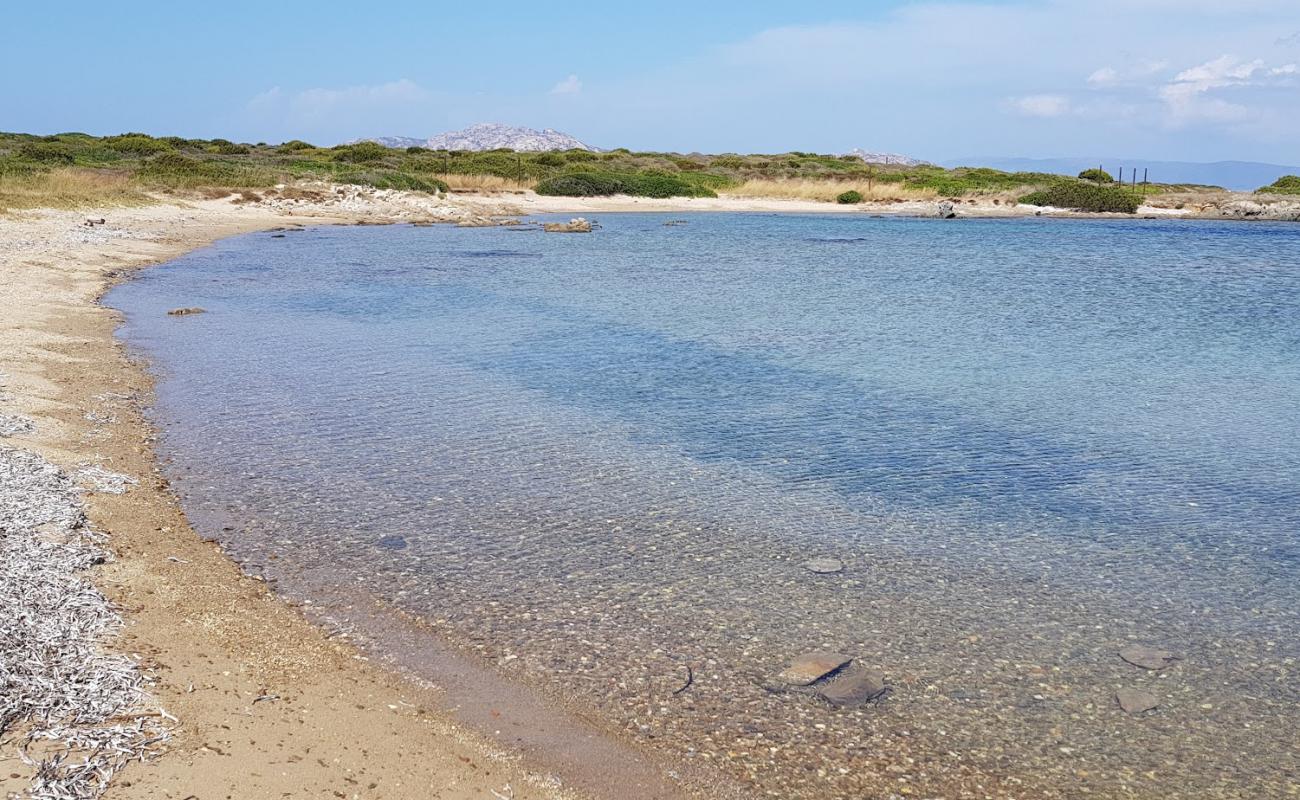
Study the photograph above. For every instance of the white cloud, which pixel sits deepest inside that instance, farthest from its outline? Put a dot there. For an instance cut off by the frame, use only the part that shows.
(570, 85)
(1106, 76)
(1041, 105)
(1190, 95)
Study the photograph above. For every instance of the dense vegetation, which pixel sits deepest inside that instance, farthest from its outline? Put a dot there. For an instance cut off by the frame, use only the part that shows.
(1096, 175)
(171, 163)
(850, 197)
(1287, 184)
(1085, 197)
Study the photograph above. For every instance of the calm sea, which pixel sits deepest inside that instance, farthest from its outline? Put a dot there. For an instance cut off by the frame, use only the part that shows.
(598, 463)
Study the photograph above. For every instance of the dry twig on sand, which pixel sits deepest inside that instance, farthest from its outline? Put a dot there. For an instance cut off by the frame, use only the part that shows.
(71, 710)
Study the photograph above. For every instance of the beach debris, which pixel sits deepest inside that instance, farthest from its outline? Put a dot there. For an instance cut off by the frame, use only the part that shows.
(1135, 701)
(853, 686)
(1140, 655)
(945, 210)
(575, 225)
(812, 667)
(73, 712)
(185, 312)
(823, 566)
(102, 480)
(92, 222)
(15, 426)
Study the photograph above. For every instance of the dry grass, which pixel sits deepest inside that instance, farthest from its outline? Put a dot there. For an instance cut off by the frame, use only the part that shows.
(67, 188)
(485, 183)
(826, 191)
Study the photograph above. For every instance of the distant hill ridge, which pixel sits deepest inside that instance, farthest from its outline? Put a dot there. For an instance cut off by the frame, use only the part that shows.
(490, 136)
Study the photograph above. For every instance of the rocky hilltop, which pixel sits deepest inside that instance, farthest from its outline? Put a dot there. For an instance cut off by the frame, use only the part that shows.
(490, 136)
(885, 158)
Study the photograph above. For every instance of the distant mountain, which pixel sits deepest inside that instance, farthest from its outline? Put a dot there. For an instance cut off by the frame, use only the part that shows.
(490, 136)
(885, 158)
(1236, 175)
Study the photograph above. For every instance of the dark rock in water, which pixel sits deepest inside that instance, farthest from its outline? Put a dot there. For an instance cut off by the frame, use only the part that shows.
(277, 236)
(946, 210)
(185, 312)
(1140, 655)
(853, 687)
(812, 667)
(392, 543)
(823, 566)
(1135, 701)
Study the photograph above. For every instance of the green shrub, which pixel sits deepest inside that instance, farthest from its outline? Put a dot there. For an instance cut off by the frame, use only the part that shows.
(225, 148)
(415, 149)
(294, 145)
(46, 152)
(851, 197)
(137, 144)
(392, 179)
(361, 153)
(1287, 184)
(1096, 175)
(1085, 197)
(581, 184)
(177, 171)
(549, 159)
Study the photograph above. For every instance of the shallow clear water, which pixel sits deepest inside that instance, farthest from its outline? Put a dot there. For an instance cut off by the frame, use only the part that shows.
(594, 460)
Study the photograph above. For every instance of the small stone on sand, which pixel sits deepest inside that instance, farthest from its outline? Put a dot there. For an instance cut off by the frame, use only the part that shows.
(1135, 701)
(1140, 655)
(823, 566)
(812, 667)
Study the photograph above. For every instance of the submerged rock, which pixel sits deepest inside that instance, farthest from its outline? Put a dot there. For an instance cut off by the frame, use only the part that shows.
(853, 686)
(185, 312)
(1140, 655)
(1135, 701)
(812, 667)
(823, 566)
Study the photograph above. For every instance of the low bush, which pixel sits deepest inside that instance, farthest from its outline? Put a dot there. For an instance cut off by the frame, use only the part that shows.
(1096, 175)
(294, 145)
(1287, 184)
(1085, 197)
(176, 171)
(137, 144)
(360, 153)
(46, 152)
(227, 148)
(851, 197)
(603, 184)
(392, 179)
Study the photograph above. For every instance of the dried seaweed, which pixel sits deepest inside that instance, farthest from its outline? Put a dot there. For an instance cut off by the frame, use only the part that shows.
(73, 711)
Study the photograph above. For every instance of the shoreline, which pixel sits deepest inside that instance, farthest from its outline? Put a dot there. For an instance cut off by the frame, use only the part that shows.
(249, 679)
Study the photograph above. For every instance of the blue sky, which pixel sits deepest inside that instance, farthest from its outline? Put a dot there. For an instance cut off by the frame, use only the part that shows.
(1160, 79)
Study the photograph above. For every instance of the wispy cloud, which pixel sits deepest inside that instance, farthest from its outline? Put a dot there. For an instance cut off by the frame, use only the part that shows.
(570, 85)
(1041, 105)
(320, 102)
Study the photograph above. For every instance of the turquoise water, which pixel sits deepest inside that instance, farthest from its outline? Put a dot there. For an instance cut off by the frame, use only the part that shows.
(594, 459)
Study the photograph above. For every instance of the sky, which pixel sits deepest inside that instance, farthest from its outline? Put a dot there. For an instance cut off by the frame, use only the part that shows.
(1196, 80)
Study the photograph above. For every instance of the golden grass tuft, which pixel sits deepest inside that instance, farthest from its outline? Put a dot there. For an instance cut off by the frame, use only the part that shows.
(69, 187)
(825, 190)
(485, 183)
